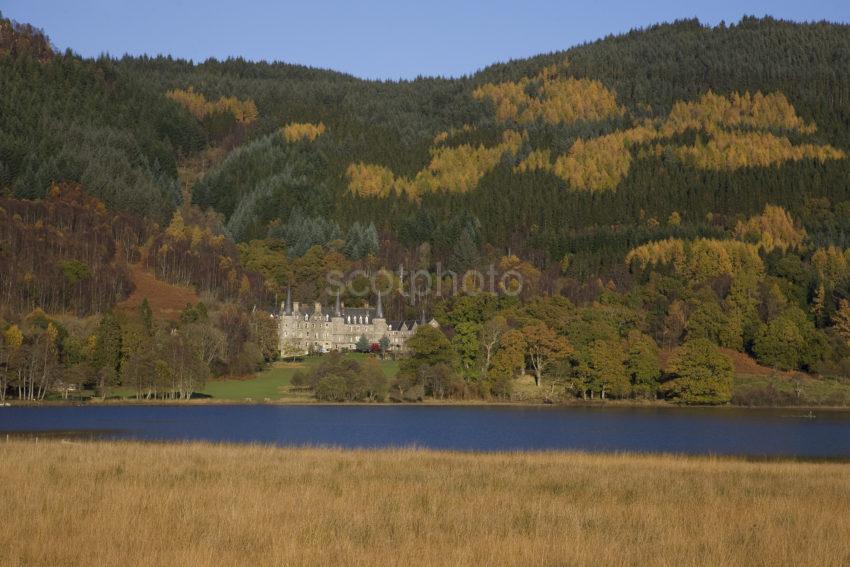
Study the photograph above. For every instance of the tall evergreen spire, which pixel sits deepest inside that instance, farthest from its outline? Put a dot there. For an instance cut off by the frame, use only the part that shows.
(338, 309)
(379, 313)
(287, 310)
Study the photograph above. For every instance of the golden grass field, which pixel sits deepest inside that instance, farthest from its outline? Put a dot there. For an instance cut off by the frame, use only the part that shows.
(99, 503)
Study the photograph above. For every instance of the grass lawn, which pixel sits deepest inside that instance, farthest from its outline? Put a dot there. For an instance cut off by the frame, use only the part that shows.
(781, 389)
(274, 383)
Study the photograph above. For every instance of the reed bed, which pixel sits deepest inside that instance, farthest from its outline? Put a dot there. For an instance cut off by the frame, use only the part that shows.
(122, 503)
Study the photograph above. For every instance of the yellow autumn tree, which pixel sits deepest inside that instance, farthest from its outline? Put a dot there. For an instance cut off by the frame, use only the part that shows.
(518, 275)
(841, 321)
(772, 229)
(443, 136)
(734, 150)
(596, 164)
(369, 180)
(177, 228)
(460, 168)
(712, 111)
(832, 265)
(194, 102)
(555, 100)
(244, 111)
(661, 252)
(456, 169)
(297, 131)
(537, 160)
(699, 260)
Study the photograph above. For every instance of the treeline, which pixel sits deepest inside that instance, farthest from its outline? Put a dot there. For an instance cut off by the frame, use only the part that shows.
(132, 354)
(65, 252)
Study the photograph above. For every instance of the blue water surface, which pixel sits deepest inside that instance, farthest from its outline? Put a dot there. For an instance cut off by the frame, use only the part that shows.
(720, 431)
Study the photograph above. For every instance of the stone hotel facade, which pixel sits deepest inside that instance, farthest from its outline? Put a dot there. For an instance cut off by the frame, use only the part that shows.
(313, 328)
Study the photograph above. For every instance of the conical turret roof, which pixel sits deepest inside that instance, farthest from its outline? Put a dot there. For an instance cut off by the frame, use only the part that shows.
(287, 310)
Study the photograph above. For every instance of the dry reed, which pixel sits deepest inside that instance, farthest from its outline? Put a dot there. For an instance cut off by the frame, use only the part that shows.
(199, 504)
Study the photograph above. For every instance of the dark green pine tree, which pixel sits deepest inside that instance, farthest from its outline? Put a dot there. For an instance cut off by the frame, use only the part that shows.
(106, 359)
(465, 254)
(146, 314)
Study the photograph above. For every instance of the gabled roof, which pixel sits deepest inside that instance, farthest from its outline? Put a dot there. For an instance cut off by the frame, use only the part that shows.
(404, 325)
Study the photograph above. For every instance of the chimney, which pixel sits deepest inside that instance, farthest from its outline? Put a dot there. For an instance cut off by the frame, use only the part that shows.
(295, 306)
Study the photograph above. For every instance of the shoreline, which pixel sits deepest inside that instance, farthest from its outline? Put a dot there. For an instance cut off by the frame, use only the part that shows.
(85, 437)
(608, 404)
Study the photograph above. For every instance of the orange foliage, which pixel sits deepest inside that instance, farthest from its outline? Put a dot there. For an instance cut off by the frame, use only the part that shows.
(537, 160)
(601, 163)
(443, 136)
(526, 277)
(166, 300)
(731, 151)
(700, 259)
(832, 264)
(772, 229)
(296, 131)
(244, 111)
(194, 234)
(18, 38)
(370, 180)
(556, 100)
(460, 168)
(661, 252)
(755, 111)
(457, 168)
(596, 164)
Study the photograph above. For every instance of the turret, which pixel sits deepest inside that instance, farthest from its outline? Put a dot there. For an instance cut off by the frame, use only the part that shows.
(287, 309)
(337, 308)
(379, 312)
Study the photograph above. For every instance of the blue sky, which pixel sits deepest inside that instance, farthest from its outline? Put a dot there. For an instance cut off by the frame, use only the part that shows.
(387, 39)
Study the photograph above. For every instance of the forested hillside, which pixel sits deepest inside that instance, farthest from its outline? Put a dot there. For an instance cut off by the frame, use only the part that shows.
(647, 109)
(593, 147)
(673, 184)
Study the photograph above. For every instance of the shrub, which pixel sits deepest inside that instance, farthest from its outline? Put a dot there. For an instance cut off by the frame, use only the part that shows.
(332, 389)
(702, 374)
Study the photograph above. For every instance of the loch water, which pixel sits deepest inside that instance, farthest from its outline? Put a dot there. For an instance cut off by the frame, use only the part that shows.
(718, 431)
